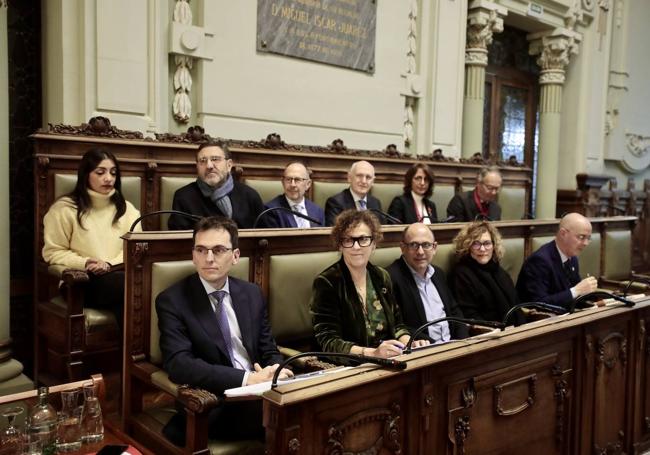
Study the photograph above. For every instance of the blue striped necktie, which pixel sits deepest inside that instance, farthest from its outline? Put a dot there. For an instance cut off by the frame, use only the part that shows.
(222, 320)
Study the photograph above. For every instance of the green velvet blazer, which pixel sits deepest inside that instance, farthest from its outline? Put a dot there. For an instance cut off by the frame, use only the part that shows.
(337, 315)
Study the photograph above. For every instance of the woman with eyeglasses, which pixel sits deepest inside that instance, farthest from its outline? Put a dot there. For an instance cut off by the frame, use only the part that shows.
(352, 305)
(483, 289)
(83, 229)
(414, 206)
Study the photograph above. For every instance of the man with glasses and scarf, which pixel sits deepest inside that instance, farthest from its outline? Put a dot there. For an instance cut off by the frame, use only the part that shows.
(481, 202)
(551, 274)
(421, 289)
(215, 192)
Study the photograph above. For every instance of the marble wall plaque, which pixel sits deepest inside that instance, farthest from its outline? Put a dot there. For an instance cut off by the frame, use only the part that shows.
(336, 32)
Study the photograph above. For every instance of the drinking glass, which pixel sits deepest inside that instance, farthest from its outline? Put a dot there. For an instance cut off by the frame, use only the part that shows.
(69, 422)
(11, 439)
(92, 427)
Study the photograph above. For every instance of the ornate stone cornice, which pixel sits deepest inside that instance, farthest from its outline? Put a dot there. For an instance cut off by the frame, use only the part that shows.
(555, 50)
(484, 18)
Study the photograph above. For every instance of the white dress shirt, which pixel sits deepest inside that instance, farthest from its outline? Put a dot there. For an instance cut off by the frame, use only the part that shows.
(241, 360)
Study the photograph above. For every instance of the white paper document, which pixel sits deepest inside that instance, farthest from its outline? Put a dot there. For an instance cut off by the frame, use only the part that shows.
(259, 389)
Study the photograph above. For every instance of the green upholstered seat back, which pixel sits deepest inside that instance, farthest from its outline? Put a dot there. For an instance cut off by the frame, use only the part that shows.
(323, 190)
(383, 257)
(163, 275)
(131, 187)
(445, 257)
(618, 251)
(290, 283)
(513, 257)
(537, 242)
(513, 203)
(441, 196)
(589, 259)
(385, 192)
(267, 189)
(168, 186)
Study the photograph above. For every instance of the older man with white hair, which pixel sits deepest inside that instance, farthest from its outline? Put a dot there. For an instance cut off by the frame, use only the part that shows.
(361, 176)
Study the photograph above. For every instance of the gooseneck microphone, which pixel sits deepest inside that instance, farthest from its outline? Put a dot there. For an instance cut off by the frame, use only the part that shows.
(635, 279)
(539, 305)
(162, 212)
(390, 218)
(449, 219)
(490, 324)
(284, 209)
(388, 363)
(599, 294)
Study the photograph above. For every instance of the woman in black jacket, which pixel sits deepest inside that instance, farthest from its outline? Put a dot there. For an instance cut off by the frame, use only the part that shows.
(414, 206)
(483, 289)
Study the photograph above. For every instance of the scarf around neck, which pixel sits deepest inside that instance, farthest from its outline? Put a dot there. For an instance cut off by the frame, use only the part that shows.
(219, 194)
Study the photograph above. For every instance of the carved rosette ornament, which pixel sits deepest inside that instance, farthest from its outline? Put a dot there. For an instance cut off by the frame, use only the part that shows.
(637, 144)
(96, 126)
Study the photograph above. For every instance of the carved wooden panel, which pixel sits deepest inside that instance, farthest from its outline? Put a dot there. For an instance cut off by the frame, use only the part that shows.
(487, 410)
(607, 380)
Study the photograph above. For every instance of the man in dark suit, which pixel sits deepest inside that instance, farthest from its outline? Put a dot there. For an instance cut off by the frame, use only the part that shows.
(481, 202)
(421, 289)
(296, 183)
(551, 273)
(215, 334)
(215, 192)
(361, 177)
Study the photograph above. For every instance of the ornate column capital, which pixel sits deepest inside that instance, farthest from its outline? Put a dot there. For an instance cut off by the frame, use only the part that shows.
(555, 49)
(484, 18)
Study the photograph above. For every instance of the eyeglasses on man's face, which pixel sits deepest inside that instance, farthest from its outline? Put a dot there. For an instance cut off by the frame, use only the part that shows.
(218, 250)
(296, 180)
(213, 159)
(363, 241)
(580, 237)
(426, 246)
(476, 245)
(491, 188)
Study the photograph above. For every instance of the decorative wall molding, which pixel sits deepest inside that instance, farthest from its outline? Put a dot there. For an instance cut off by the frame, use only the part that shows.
(555, 50)
(484, 18)
(187, 44)
(412, 89)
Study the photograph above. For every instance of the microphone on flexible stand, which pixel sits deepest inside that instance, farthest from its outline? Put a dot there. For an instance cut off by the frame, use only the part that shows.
(388, 363)
(490, 324)
(635, 279)
(284, 209)
(601, 294)
(618, 209)
(162, 212)
(387, 216)
(539, 305)
(481, 217)
(528, 216)
(449, 219)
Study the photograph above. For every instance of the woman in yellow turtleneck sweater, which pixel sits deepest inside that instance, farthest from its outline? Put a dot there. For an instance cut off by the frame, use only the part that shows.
(82, 229)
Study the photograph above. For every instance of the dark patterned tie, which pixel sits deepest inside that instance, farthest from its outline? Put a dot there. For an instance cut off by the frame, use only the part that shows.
(362, 204)
(570, 272)
(222, 320)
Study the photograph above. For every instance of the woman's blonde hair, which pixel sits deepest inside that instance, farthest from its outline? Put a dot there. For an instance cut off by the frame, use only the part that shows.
(472, 232)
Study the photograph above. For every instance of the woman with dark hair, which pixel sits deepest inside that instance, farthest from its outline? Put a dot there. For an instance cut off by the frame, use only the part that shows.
(352, 305)
(82, 229)
(414, 206)
(483, 289)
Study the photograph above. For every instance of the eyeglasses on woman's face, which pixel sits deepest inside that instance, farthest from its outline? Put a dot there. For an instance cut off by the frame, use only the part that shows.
(487, 244)
(363, 241)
